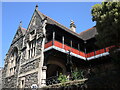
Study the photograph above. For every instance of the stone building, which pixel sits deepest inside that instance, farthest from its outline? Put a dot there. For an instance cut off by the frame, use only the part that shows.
(1, 78)
(46, 49)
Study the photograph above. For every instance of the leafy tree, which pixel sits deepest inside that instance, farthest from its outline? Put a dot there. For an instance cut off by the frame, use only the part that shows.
(107, 17)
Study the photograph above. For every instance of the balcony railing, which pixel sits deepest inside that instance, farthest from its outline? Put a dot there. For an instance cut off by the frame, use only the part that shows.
(75, 51)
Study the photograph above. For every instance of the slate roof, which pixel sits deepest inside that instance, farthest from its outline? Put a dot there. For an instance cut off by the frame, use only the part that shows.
(88, 34)
(51, 21)
(85, 35)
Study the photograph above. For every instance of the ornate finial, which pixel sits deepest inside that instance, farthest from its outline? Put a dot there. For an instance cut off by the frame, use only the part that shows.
(20, 25)
(36, 6)
(71, 21)
(72, 24)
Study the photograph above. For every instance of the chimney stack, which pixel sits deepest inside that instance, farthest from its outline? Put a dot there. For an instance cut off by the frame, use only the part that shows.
(72, 26)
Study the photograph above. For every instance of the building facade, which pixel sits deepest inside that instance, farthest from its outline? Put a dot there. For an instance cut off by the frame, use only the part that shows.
(1, 78)
(46, 49)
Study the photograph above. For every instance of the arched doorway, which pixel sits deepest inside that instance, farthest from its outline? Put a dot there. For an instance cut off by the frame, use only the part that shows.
(53, 70)
(55, 66)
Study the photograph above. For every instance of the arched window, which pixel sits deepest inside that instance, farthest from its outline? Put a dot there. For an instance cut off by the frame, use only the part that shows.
(12, 62)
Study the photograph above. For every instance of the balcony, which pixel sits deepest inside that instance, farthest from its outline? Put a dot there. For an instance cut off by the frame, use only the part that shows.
(74, 52)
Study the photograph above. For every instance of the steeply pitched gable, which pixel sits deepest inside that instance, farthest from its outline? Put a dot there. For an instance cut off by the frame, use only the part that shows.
(20, 32)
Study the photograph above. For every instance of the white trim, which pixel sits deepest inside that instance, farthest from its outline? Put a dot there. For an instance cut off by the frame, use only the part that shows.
(47, 49)
(64, 51)
(78, 56)
(73, 54)
(97, 56)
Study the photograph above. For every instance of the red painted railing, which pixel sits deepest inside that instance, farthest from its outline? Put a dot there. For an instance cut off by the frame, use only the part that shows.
(48, 44)
(66, 47)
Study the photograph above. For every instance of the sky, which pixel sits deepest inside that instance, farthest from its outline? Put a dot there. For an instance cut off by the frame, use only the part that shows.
(62, 12)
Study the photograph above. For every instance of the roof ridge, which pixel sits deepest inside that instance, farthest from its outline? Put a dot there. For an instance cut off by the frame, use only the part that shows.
(57, 22)
(86, 30)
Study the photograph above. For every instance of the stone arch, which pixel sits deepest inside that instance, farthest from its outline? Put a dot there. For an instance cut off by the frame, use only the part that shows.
(58, 63)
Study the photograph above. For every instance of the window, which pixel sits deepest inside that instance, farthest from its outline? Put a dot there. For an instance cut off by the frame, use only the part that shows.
(22, 82)
(12, 62)
(32, 50)
(33, 32)
(32, 35)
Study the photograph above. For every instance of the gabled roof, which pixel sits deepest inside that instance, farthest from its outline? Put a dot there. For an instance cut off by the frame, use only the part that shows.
(88, 34)
(85, 35)
(51, 21)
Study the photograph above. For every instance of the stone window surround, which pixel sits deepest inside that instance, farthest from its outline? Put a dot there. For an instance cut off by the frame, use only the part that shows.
(12, 64)
(22, 82)
(32, 48)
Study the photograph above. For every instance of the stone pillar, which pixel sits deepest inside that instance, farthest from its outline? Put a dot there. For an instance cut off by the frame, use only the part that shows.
(42, 54)
(43, 81)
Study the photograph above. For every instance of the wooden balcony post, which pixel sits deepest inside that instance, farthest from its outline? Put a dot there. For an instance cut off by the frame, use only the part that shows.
(94, 53)
(62, 41)
(71, 44)
(53, 38)
(104, 49)
(85, 46)
(79, 48)
(85, 49)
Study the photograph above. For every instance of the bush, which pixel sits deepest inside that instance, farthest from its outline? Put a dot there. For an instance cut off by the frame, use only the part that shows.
(62, 78)
(76, 75)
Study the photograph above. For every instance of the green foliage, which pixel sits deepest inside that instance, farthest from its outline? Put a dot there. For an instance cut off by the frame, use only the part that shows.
(76, 75)
(62, 78)
(107, 17)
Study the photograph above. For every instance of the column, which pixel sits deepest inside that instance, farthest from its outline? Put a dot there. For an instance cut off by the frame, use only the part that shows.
(62, 41)
(79, 48)
(71, 44)
(41, 57)
(43, 81)
(53, 38)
